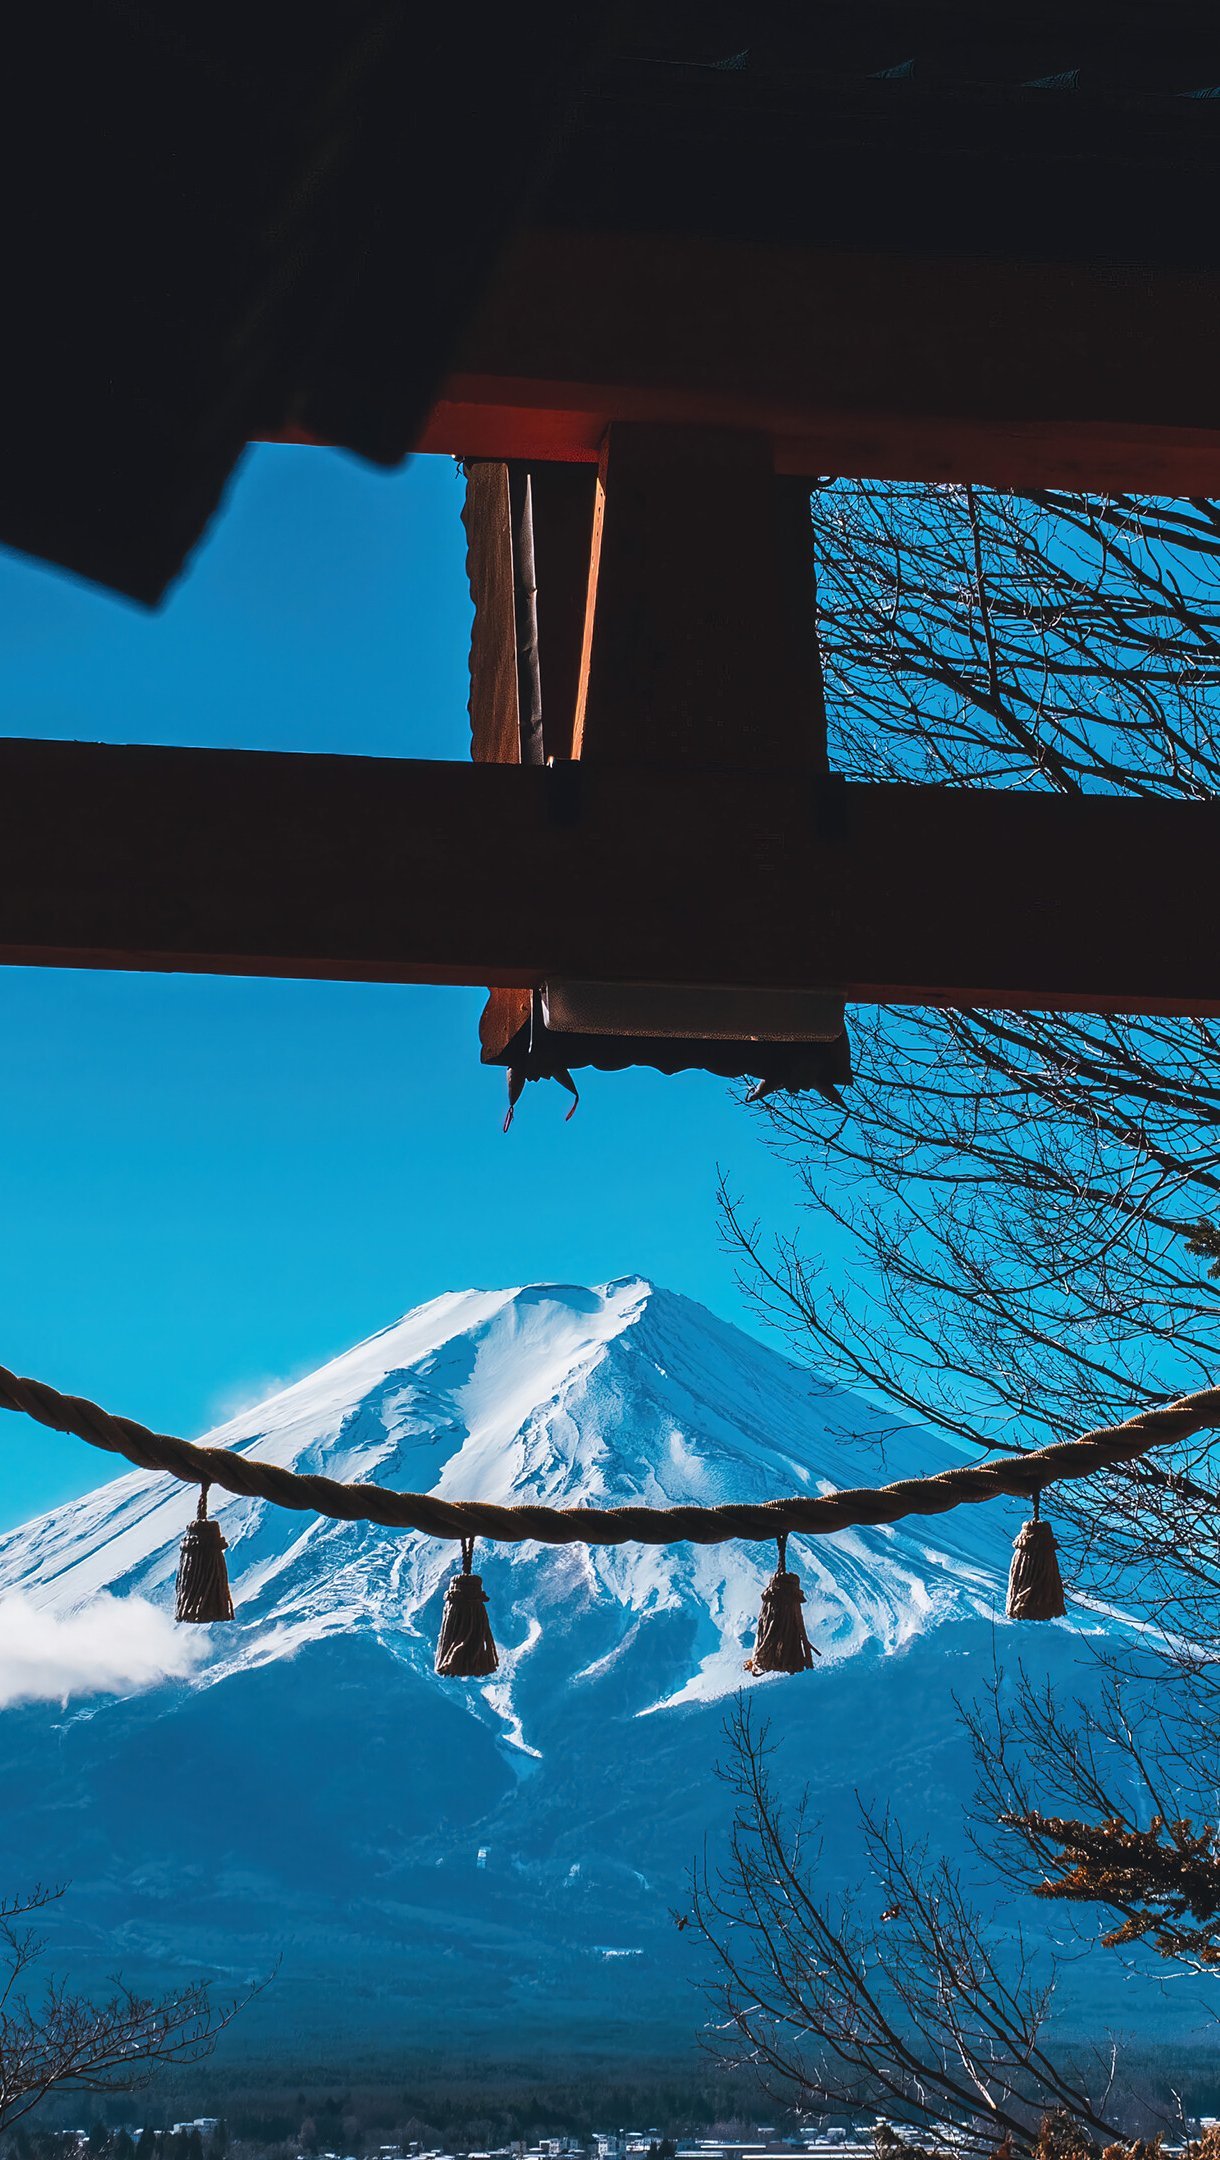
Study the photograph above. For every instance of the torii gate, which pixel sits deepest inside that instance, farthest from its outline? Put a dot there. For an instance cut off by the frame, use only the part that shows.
(687, 834)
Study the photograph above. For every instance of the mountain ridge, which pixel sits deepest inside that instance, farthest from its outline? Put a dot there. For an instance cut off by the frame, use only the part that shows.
(562, 1394)
(506, 1852)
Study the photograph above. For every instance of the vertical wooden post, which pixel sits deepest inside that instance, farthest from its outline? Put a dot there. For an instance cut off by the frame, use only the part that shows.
(699, 650)
(528, 532)
(700, 640)
(563, 508)
(495, 731)
(797, 599)
(525, 617)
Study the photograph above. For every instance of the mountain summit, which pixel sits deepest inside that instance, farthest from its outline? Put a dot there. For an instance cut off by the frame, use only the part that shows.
(505, 1853)
(564, 1395)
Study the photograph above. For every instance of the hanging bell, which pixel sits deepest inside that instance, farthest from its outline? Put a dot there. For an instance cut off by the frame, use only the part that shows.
(781, 1643)
(466, 1649)
(1035, 1586)
(203, 1579)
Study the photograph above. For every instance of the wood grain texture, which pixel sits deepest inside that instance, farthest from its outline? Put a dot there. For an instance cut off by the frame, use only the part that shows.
(563, 505)
(693, 644)
(487, 514)
(1012, 374)
(253, 863)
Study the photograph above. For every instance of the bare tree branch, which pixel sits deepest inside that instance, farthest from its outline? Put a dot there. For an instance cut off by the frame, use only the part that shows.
(66, 2041)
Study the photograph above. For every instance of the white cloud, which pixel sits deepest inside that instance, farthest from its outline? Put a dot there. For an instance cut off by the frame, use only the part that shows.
(239, 1397)
(112, 1646)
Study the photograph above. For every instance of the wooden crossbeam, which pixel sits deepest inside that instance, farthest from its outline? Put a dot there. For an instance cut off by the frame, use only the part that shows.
(252, 863)
(1013, 374)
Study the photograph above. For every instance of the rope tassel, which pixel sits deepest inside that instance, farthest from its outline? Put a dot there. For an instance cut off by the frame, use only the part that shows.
(203, 1579)
(466, 1650)
(781, 1643)
(1035, 1586)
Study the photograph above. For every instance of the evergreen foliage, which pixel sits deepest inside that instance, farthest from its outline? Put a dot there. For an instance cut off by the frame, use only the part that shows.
(1155, 1877)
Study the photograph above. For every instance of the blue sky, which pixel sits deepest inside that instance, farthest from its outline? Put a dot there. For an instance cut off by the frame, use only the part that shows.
(208, 1186)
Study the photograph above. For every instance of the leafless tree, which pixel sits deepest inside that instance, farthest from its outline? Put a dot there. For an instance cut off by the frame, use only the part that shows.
(896, 1998)
(1111, 1805)
(63, 2041)
(1024, 1215)
(1029, 1202)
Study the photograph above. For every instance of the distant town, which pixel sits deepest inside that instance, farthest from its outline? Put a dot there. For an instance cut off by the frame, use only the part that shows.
(206, 2137)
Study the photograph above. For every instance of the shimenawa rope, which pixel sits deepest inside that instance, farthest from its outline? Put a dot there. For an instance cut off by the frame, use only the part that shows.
(1020, 1476)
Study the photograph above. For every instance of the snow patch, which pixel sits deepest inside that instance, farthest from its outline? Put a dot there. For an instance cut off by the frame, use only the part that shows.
(555, 1393)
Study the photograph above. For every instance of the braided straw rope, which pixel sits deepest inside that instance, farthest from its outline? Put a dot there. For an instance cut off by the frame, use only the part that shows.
(1020, 1476)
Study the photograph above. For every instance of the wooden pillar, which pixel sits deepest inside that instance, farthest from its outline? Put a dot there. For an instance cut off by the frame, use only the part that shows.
(495, 727)
(563, 505)
(700, 641)
(697, 652)
(528, 531)
(700, 652)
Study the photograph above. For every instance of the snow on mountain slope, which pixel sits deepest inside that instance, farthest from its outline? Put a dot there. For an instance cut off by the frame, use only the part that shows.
(561, 1394)
(423, 1857)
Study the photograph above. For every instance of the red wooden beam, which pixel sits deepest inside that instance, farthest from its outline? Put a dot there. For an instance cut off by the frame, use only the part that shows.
(1013, 374)
(251, 863)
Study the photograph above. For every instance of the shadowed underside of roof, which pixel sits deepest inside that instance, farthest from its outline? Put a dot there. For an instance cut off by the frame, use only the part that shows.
(1141, 47)
(229, 222)
(225, 221)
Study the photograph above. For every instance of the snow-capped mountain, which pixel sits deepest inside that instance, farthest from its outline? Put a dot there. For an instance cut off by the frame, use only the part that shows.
(563, 1395)
(308, 1788)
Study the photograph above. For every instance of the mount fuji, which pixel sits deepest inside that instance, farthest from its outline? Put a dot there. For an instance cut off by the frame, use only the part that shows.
(431, 1859)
